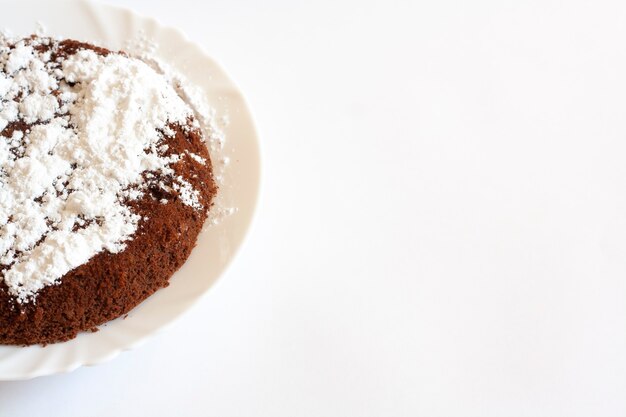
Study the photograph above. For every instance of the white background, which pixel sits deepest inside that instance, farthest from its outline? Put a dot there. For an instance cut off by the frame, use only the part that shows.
(442, 229)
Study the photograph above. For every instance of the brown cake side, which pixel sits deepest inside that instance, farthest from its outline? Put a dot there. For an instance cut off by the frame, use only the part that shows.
(110, 285)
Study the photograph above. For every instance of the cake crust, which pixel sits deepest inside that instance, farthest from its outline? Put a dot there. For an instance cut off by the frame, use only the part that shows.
(109, 285)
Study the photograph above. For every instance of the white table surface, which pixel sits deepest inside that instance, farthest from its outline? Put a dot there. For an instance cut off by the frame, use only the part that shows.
(442, 230)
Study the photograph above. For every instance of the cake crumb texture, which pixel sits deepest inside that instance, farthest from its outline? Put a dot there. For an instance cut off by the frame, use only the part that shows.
(105, 185)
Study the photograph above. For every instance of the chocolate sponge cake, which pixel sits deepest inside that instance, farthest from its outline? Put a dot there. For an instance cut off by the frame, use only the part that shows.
(105, 183)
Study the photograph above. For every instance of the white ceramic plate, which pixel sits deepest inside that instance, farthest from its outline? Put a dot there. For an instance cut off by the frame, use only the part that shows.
(113, 27)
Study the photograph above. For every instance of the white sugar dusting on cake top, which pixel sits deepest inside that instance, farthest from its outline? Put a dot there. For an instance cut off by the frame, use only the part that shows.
(207, 119)
(97, 122)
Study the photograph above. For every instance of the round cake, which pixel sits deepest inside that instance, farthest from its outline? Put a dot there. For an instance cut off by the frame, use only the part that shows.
(105, 183)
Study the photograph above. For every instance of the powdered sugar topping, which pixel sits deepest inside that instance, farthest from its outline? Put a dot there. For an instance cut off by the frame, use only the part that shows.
(64, 180)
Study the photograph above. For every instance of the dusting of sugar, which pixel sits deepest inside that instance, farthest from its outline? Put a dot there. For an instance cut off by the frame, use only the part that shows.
(196, 158)
(211, 125)
(186, 193)
(218, 214)
(64, 182)
(206, 118)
